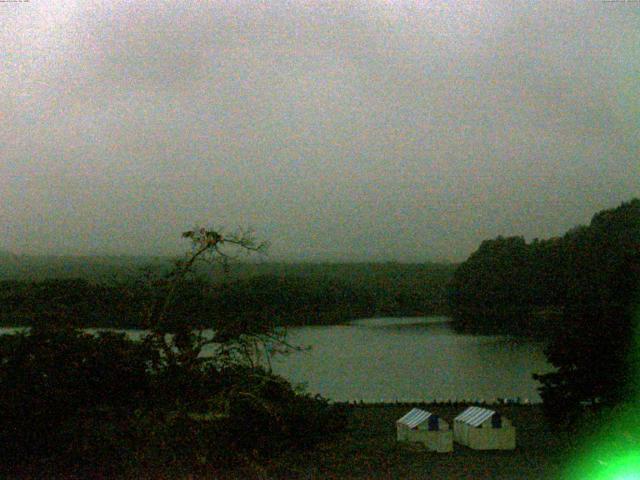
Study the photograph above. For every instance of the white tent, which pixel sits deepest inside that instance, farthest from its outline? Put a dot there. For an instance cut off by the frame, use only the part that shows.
(483, 429)
(426, 428)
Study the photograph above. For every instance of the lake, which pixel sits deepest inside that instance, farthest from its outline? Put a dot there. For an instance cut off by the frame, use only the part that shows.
(407, 359)
(412, 358)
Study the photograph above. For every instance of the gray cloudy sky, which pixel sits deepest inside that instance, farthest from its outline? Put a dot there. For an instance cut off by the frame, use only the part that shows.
(356, 130)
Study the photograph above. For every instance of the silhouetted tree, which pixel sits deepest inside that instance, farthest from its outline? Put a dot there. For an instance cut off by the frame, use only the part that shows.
(595, 348)
(589, 279)
(493, 287)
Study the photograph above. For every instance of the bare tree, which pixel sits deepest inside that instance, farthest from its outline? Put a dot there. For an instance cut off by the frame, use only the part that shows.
(230, 341)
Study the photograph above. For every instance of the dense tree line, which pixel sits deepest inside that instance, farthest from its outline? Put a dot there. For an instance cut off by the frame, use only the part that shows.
(314, 294)
(596, 348)
(581, 291)
(510, 285)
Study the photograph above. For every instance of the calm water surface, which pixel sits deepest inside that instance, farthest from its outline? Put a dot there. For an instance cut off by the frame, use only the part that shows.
(412, 358)
(419, 358)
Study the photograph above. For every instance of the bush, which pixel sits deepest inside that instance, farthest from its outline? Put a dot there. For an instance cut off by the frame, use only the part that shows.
(267, 415)
(62, 391)
(72, 401)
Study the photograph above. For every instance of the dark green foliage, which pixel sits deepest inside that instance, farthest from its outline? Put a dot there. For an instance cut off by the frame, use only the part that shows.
(596, 347)
(70, 401)
(507, 284)
(267, 415)
(87, 304)
(98, 405)
(61, 388)
(279, 294)
(321, 294)
(580, 292)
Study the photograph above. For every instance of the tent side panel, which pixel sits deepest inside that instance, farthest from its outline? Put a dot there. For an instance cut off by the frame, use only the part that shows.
(466, 428)
(492, 438)
(406, 434)
(416, 436)
(443, 442)
(402, 433)
(458, 432)
(478, 439)
(438, 441)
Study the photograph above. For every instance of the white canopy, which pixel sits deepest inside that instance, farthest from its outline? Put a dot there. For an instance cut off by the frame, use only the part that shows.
(474, 416)
(414, 418)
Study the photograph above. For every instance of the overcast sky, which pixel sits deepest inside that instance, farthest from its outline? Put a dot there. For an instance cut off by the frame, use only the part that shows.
(362, 130)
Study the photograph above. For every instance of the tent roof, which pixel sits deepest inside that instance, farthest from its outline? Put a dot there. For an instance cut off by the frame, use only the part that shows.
(414, 418)
(474, 416)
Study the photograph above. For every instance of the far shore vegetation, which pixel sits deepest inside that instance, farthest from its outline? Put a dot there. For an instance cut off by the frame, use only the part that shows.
(110, 291)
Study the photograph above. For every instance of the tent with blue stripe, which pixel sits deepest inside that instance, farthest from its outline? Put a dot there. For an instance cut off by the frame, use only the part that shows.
(425, 427)
(483, 429)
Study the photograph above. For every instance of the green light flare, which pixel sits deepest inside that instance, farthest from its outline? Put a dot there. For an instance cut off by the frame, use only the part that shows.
(613, 453)
(626, 467)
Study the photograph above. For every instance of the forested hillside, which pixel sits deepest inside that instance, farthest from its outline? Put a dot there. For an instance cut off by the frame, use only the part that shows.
(580, 292)
(108, 291)
(511, 285)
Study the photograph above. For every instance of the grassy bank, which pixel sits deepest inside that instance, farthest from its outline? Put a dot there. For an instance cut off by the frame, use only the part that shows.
(368, 450)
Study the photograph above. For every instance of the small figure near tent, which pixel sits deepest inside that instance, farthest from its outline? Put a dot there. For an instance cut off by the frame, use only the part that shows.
(426, 428)
(484, 429)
